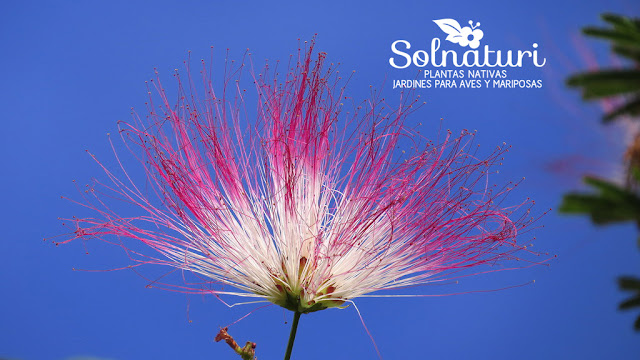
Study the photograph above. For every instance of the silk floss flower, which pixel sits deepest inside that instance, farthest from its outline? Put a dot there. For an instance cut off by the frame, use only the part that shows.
(309, 206)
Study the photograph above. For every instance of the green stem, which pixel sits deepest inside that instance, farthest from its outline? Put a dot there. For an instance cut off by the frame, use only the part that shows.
(292, 335)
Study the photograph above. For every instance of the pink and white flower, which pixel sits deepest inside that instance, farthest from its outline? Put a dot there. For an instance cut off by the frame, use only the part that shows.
(309, 205)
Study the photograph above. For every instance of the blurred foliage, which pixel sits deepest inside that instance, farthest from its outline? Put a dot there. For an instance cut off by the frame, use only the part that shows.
(632, 284)
(609, 202)
(624, 35)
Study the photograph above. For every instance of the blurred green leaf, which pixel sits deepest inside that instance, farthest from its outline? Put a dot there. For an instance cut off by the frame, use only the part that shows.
(635, 172)
(630, 303)
(619, 38)
(625, 31)
(622, 23)
(624, 35)
(611, 203)
(629, 283)
(629, 52)
(631, 108)
(606, 83)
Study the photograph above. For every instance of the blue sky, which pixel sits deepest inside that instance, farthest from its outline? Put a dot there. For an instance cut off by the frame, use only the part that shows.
(71, 70)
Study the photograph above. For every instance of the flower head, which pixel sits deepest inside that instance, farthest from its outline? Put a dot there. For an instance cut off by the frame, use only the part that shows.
(310, 205)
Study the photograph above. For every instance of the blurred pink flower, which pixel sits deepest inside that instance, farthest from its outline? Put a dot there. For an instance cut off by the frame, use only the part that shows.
(309, 206)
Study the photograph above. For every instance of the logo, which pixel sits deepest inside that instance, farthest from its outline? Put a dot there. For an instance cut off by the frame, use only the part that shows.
(485, 67)
(462, 36)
